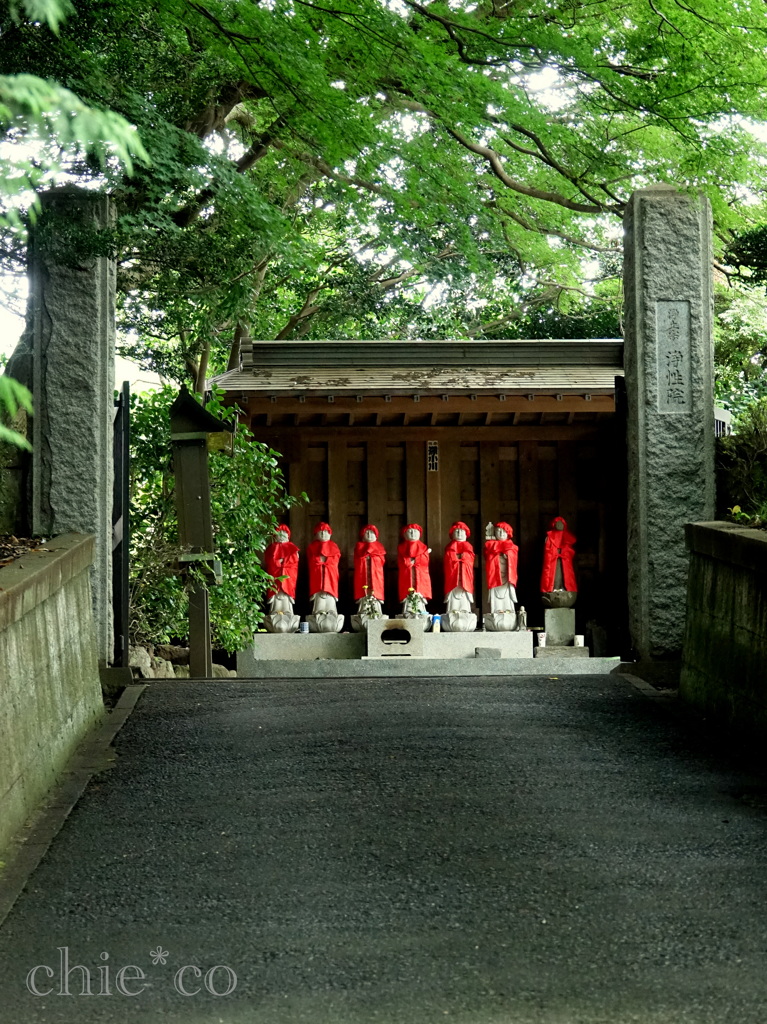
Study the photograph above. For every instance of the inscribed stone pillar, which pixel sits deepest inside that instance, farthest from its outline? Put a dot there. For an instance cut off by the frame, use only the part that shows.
(71, 326)
(669, 385)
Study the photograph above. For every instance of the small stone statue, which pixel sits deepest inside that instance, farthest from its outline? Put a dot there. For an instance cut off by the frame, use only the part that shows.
(558, 586)
(369, 560)
(281, 562)
(324, 555)
(501, 557)
(459, 582)
(414, 582)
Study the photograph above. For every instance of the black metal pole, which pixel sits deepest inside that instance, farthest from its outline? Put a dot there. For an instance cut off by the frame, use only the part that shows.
(121, 529)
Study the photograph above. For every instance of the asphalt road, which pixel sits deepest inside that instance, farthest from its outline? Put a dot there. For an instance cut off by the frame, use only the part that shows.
(474, 850)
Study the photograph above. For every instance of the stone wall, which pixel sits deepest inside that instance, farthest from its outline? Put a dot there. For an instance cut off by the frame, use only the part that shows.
(724, 667)
(50, 695)
(13, 467)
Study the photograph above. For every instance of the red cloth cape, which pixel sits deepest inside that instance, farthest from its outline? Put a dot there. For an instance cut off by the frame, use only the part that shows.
(493, 551)
(459, 566)
(558, 544)
(413, 565)
(376, 553)
(323, 576)
(281, 559)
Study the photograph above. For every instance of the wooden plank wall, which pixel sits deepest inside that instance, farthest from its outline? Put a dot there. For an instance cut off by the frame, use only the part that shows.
(352, 481)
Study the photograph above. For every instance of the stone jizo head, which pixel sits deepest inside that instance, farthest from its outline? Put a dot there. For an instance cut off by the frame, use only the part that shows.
(503, 531)
(322, 531)
(460, 531)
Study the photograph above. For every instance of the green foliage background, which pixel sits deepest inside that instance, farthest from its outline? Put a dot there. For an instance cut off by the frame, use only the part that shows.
(742, 468)
(740, 346)
(248, 496)
(33, 109)
(386, 168)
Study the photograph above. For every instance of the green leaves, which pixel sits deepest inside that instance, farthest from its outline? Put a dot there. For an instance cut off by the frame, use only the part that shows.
(46, 12)
(12, 397)
(742, 466)
(298, 148)
(740, 349)
(30, 105)
(247, 496)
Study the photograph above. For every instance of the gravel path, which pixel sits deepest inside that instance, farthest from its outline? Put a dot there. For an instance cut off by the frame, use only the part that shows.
(474, 850)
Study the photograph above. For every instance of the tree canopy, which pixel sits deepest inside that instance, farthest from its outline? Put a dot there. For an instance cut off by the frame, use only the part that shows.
(35, 111)
(374, 168)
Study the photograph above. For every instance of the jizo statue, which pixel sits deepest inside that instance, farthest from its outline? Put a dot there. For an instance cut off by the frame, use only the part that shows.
(281, 562)
(459, 582)
(501, 558)
(323, 556)
(414, 582)
(369, 561)
(558, 585)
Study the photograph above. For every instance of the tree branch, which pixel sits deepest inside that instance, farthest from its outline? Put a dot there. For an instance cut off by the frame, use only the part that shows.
(543, 230)
(202, 368)
(327, 171)
(545, 156)
(258, 149)
(496, 165)
(307, 310)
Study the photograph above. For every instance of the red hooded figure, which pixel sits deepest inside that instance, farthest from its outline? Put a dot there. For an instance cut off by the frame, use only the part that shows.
(459, 562)
(413, 565)
(369, 559)
(324, 556)
(281, 559)
(494, 548)
(558, 548)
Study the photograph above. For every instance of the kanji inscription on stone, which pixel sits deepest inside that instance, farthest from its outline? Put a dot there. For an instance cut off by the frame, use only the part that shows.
(674, 374)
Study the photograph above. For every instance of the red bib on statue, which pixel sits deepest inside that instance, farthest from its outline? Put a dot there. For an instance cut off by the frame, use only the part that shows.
(493, 551)
(282, 560)
(369, 559)
(413, 566)
(459, 566)
(559, 549)
(323, 575)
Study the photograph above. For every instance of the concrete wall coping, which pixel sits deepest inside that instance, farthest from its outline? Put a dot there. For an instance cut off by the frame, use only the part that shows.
(38, 574)
(729, 542)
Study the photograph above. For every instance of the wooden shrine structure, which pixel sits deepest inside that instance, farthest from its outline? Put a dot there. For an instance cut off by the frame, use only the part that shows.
(394, 432)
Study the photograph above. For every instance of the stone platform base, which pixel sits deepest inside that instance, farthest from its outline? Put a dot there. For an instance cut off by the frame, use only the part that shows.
(306, 646)
(465, 645)
(559, 624)
(269, 647)
(422, 668)
(562, 652)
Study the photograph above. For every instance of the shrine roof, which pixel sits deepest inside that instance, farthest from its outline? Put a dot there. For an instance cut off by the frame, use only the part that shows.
(396, 367)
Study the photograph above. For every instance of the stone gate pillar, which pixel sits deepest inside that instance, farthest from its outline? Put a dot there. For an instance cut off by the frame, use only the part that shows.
(71, 333)
(669, 385)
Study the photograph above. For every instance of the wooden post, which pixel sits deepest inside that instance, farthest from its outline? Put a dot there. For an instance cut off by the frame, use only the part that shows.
(200, 651)
(190, 425)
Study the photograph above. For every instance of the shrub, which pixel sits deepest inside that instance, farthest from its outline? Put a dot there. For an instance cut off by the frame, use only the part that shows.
(742, 467)
(247, 496)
